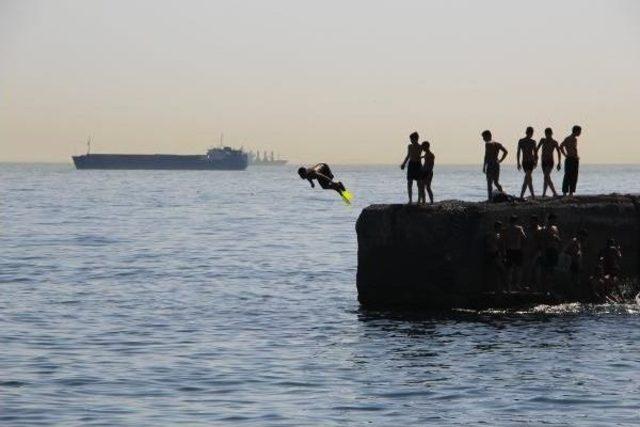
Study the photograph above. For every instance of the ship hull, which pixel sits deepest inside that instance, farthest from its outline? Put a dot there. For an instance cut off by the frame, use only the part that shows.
(158, 162)
(269, 163)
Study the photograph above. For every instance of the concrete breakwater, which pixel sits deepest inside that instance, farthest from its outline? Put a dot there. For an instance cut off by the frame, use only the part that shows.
(433, 256)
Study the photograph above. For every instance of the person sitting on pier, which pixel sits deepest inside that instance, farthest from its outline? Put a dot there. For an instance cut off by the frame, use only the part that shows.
(492, 160)
(527, 146)
(427, 171)
(548, 145)
(514, 237)
(414, 171)
(551, 253)
(322, 173)
(569, 148)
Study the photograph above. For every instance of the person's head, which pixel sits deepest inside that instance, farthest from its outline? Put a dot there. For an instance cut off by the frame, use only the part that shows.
(611, 241)
(576, 130)
(426, 145)
(414, 137)
(486, 135)
(302, 172)
(513, 219)
(582, 234)
(553, 219)
(529, 132)
(497, 226)
(548, 132)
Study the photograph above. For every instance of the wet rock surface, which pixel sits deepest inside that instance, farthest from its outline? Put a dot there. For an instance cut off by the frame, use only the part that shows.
(433, 256)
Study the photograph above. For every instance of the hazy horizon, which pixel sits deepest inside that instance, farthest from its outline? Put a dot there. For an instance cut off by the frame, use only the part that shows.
(333, 81)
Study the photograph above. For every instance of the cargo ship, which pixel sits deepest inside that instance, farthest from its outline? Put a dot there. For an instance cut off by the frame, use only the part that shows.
(256, 160)
(219, 158)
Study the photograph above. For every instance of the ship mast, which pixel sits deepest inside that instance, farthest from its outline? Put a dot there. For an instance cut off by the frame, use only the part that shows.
(89, 145)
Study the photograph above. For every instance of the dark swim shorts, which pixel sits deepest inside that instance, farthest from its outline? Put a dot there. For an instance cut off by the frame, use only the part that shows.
(493, 170)
(528, 165)
(414, 171)
(325, 170)
(547, 164)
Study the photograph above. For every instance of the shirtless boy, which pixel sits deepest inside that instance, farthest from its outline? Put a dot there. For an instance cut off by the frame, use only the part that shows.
(527, 146)
(569, 148)
(491, 165)
(414, 171)
(551, 251)
(427, 171)
(514, 237)
(322, 173)
(548, 145)
(575, 250)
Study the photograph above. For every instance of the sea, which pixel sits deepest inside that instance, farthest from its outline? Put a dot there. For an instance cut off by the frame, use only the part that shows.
(202, 298)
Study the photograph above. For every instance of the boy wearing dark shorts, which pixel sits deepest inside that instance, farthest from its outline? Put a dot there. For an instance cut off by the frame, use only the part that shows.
(569, 148)
(414, 170)
(551, 253)
(427, 171)
(491, 165)
(321, 172)
(527, 146)
(548, 146)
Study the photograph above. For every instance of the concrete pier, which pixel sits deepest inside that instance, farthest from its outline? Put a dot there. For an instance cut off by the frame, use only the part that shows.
(433, 256)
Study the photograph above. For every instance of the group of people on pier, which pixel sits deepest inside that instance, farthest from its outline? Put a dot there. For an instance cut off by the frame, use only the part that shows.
(420, 160)
(520, 258)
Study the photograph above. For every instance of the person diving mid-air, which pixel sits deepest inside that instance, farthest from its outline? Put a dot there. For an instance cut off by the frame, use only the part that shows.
(322, 173)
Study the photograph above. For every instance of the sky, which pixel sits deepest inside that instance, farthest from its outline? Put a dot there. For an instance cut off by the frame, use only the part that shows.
(333, 81)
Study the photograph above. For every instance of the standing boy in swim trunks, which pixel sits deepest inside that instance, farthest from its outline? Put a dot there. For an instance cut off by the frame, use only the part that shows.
(575, 250)
(491, 166)
(414, 171)
(427, 170)
(527, 146)
(322, 173)
(551, 251)
(569, 148)
(514, 240)
(548, 145)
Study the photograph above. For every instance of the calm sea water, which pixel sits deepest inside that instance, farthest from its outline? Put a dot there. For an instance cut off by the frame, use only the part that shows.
(211, 298)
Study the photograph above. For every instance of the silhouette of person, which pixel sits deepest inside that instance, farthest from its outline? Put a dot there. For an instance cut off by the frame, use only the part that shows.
(427, 171)
(569, 148)
(575, 250)
(607, 286)
(527, 146)
(491, 165)
(548, 146)
(610, 258)
(515, 238)
(321, 173)
(551, 251)
(414, 170)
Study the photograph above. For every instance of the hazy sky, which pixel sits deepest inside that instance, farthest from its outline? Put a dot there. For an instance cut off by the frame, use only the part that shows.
(336, 81)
